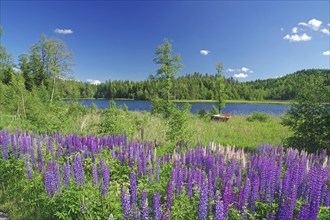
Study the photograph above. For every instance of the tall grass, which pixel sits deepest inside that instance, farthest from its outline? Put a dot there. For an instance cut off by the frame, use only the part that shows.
(238, 131)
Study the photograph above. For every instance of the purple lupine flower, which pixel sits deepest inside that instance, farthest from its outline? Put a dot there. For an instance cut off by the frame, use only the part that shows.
(48, 181)
(32, 157)
(135, 214)
(78, 171)
(169, 196)
(13, 145)
(226, 198)
(203, 201)
(303, 212)
(59, 152)
(254, 191)
(150, 175)
(157, 207)
(239, 177)
(105, 171)
(167, 215)
(189, 185)
(327, 197)
(28, 168)
(210, 185)
(4, 136)
(157, 170)
(246, 194)
(40, 157)
(56, 175)
(179, 184)
(125, 203)
(50, 147)
(219, 214)
(144, 206)
(317, 180)
(95, 175)
(133, 187)
(66, 173)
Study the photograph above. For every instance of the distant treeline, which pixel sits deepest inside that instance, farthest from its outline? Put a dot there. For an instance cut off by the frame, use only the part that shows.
(204, 87)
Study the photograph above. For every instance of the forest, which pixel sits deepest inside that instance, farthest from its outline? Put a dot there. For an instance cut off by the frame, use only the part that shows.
(34, 70)
(199, 86)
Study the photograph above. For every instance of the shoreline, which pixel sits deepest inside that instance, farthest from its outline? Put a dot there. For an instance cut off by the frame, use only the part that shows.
(278, 102)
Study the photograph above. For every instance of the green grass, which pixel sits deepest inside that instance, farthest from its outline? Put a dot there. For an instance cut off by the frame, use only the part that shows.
(238, 131)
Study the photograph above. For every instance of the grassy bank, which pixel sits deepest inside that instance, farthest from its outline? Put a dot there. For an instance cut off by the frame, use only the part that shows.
(237, 131)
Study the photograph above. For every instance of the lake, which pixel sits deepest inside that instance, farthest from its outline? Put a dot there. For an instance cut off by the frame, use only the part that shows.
(231, 108)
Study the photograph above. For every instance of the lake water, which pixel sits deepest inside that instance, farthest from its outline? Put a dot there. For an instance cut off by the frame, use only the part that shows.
(231, 108)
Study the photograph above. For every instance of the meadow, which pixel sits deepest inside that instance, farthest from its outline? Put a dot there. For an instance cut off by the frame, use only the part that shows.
(72, 117)
(61, 176)
(86, 163)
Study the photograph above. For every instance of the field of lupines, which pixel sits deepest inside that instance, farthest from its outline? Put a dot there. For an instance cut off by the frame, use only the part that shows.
(55, 176)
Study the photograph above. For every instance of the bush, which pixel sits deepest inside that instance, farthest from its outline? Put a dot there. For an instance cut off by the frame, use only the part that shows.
(178, 124)
(162, 107)
(257, 116)
(202, 113)
(309, 117)
(214, 110)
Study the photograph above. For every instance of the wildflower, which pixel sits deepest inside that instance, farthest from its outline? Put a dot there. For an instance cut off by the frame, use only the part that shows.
(157, 207)
(78, 170)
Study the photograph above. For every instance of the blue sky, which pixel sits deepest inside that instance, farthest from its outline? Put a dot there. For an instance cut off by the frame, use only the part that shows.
(114, 40)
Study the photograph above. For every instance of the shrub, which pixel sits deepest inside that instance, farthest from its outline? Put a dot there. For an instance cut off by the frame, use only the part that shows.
(309, 117)
(202, 113)
(214, 110)
(257, 116)
(178, 124)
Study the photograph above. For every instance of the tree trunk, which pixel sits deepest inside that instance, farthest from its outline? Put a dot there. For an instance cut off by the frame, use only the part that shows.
(53, 89)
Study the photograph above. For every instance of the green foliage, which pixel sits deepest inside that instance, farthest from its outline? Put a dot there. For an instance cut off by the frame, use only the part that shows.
(162, 107)
(258, 116)
(222, 96)
(309, 117)
(185, 207)
(214, 110)
(202, 113)
(170, 66)
(324, 213)
(263, 209)
(178, 124)
(112, 119)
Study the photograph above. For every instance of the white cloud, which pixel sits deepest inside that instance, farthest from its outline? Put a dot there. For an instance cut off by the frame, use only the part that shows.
(329, 24)
(315, 24)
(326, 53)
(204, 52)
(303, 24)
(94, 81)
(297, 38)
(241, 75)
(245, 69)
(282, 29)
(325, 31)
(295, 30)
(63, 31)
(230, 70)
